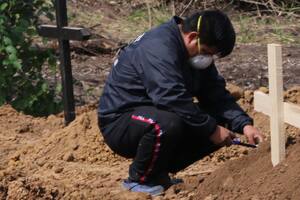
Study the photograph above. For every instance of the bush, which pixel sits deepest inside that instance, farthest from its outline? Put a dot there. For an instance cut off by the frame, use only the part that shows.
(21, 82)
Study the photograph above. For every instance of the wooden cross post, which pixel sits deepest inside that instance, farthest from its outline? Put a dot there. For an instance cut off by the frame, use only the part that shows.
(276, 94)
(274, 106)
(64, 33)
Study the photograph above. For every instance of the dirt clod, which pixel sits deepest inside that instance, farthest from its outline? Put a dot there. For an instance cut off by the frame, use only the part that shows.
(235, 91)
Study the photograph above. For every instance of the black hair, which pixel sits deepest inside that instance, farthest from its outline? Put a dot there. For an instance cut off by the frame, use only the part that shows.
(216, 30)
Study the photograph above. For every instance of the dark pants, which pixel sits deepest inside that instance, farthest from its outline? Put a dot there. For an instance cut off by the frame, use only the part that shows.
(157, 140)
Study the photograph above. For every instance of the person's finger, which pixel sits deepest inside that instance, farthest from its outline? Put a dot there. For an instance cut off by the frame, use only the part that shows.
(251, 139)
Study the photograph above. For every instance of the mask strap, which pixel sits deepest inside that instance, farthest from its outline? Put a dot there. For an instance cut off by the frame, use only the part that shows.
(198, 30)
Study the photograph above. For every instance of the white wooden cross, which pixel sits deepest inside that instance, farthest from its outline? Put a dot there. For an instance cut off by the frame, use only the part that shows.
(273, 105)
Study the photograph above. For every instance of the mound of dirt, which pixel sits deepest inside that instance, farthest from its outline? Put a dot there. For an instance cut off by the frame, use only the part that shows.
(42, 159)
(254, 177)
(58, 162)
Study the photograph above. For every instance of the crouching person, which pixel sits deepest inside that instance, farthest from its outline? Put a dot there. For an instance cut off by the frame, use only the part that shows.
(147, 113)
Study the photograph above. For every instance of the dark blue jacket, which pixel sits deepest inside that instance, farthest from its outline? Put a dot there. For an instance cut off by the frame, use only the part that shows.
(153, 70)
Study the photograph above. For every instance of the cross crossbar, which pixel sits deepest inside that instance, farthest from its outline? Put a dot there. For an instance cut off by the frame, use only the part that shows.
(64, 33)
(291, 112)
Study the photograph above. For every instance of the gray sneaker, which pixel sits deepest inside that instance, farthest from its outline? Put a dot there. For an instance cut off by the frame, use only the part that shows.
(153, 190)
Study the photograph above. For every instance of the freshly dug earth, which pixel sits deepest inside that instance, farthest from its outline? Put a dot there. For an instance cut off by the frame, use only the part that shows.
(42, 159)
(254, 177)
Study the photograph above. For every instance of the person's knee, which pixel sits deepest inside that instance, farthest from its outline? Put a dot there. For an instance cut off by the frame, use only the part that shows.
(167, 123)
(173, 126)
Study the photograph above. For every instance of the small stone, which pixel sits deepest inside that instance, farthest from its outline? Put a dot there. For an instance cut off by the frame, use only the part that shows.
(264, 90)
(76, 146)
(23, 128)
(191, 195)
(69, 157)
(92, 159)
(293, 99)
(245, 152)
(49, 166)
(40, 163)
(51, 117)
(211, 197)
(58, 170)
(282, 170)
(16, 157)
(113, 3)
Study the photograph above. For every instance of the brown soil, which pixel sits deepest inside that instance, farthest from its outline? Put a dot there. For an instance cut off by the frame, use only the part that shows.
(254, 177)
(41, 159)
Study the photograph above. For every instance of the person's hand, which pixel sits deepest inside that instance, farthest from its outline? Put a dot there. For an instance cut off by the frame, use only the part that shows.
(252, 134)
(222, 136)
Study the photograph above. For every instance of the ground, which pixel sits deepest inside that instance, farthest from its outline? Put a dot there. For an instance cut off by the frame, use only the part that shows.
(43, 159)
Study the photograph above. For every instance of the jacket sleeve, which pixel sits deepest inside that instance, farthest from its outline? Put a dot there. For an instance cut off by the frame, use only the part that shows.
(219, 101)
(160, 71)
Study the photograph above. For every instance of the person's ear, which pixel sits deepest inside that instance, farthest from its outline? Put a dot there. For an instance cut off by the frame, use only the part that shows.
(192, 38)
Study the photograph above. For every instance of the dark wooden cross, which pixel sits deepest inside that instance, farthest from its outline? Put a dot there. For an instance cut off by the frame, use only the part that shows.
(64, 33)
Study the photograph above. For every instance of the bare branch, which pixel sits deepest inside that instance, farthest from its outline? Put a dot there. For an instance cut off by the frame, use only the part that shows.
(149, 13)
(189, 4)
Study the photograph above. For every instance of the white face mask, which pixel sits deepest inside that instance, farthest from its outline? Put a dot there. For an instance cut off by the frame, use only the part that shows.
(201, 61)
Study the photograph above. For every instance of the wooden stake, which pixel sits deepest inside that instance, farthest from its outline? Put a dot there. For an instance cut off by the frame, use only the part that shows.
(276, 96)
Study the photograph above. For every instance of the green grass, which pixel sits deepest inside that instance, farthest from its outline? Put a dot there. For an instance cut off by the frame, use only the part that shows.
(267, 29)
(124, 28)
(158, 16)
(85, 18)
(249, 28)
(245, 34)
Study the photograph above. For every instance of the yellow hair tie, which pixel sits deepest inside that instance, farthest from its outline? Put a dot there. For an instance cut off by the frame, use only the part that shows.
(198, 30)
